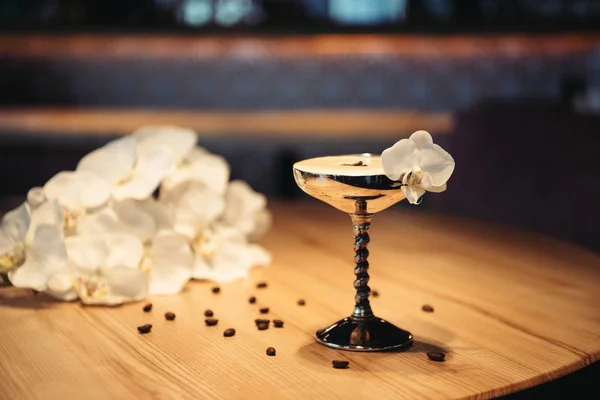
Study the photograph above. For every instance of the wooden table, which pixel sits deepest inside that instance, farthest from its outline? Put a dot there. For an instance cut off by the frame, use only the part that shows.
(512, 310)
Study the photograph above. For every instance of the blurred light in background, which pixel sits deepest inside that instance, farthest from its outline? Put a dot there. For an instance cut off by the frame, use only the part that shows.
(367, 12)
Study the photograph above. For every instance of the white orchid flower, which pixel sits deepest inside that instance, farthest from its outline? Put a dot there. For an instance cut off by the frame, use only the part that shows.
(104, 269)
(192, 206)
(246, 210)
(419, 164)
(142, 219)
(129, 172)
(169, 262)
(41, 245)
(222, 254)
(76, 192)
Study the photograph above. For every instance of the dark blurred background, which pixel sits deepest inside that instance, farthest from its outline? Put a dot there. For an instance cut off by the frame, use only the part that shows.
(510, 87)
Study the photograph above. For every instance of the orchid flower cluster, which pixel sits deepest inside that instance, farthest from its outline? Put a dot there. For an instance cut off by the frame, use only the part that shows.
(139, 216)
(418, 165)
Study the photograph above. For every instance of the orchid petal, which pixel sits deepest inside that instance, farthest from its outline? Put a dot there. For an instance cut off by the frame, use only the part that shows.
(15, 224)
(413, 193)
(399, 159)
(149, 171)
(133, 220)
(172, 262)
(158, 212)
(48, 213)
(242, 204)
(232, 261)
(60, 285)
(102, 221)
(124, 251)
(193, 207)
(421, 139)
(126, 284)
(112, 162)
(195, 153)
(177, 140)
(201, 269)
(45, 255)
(210, 169)
(259, 255)
(36, 197)
(437, 189)
(262, 222)
(87, 253)
(438, 163)
(77, 190)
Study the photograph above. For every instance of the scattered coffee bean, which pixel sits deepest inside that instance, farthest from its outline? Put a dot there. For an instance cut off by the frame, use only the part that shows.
(277, 323)
(301, 302)
(264, 310)
(211, 321)
(427, 308)
(261, 285)
(252, 300)
(208, 313)
(375, 293)
(229, 332)
(169, 316)
(261, 321)
(436, 356)
(339, 364)
(262, 326)
(144, 328)
(147, 307)
(356, 164)
(216, 289)
(271, 351)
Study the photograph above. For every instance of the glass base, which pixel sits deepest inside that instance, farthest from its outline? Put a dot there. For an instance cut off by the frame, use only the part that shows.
(369, 334)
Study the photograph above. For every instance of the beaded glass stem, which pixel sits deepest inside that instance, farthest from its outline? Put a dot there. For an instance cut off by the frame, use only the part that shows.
(362, 308)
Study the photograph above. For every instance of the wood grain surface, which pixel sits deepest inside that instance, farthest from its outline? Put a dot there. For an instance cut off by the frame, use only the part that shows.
(277, 123)
(512, 310)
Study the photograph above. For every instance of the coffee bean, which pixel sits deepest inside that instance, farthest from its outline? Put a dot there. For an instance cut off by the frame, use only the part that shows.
(229, 332)
(169, 316)
(301, 302)
(216, 289)
(427, 308)
(144, 329)
(436, 356)
(277, 323)
(264, 310)
(261, 321)
(339, 364)
(271, 351)
(261, 285)
(375, 293)
(262, 326)
(252, 300)
(147, 307)
(208, 313)
(211, 321)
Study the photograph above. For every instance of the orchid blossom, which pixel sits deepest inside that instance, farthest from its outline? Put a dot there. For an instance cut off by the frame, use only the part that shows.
(418, 164)
(99, 234)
